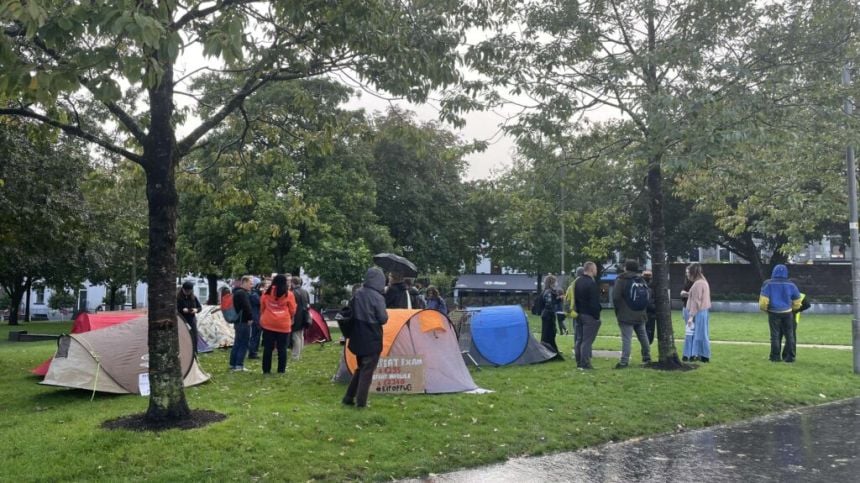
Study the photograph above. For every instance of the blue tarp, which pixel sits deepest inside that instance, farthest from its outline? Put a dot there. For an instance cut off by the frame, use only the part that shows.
(500, 333)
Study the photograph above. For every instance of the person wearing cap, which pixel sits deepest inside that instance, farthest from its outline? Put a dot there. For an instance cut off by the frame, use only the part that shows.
(188, 306)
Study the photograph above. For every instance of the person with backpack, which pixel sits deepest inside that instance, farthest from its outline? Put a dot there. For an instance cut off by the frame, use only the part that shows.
(697, 340)
(302, 319)
(188, 307)
(549, 299)
(244, 320)
(586, 303)
(630, 298)
(277, 309)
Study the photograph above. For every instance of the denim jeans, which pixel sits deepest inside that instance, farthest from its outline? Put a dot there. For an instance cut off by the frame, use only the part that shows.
(627, 330)
(240, 344)
(254, 341)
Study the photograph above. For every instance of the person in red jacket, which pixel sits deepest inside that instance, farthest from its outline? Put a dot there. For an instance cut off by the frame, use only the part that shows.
(277, 309)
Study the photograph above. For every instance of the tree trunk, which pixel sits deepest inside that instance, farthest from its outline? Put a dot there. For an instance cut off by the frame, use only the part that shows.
(133, 286)
(212, 279)
(16, 293)
(112, 296)
(27, 288)
(666, 340)
(167, 402)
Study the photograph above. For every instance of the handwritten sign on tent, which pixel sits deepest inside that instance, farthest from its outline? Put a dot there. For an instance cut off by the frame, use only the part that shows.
(399, 375)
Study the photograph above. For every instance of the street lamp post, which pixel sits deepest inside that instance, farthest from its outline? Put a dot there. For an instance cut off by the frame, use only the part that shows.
(848, 107)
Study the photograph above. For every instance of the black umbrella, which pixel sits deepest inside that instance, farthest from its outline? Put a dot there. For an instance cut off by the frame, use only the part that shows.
(395, 263)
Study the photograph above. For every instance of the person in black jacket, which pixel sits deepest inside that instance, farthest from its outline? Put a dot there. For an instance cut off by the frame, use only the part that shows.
(365, 341)
(587, 299)
(550, 301)
(256, 331)
(397, 293)
(242, 303)
(651, 310)
(188, 306)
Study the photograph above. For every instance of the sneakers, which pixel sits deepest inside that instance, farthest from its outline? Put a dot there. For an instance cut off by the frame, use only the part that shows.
(239, 369)
(621, 365)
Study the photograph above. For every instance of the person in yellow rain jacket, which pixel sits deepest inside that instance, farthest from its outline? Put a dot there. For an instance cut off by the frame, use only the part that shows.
(804, 304)
(570, 308)
(780, 298)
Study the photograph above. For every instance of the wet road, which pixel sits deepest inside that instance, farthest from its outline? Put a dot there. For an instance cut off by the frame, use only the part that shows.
(806, 445)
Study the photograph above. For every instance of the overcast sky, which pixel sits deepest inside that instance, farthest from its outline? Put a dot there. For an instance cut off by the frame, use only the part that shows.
(482, 126)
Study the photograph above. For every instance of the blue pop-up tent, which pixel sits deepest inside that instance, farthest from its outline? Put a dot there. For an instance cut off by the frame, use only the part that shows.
(499, 335)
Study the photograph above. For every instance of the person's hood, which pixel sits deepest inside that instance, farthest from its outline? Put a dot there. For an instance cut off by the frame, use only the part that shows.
(779, 271)
(375, 279)
(629, 275)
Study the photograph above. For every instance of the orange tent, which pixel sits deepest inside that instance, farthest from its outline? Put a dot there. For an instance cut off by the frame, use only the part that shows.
(427, 333)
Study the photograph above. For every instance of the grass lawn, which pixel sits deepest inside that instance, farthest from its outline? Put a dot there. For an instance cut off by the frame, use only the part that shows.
(812, 329)
(294, 428)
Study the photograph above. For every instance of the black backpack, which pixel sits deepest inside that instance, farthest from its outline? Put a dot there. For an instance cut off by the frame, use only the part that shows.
(637, 294)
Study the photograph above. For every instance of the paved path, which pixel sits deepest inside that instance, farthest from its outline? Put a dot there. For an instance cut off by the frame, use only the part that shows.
(806, 445)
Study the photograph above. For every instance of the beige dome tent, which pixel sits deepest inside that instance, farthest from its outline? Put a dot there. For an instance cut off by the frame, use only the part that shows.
(113, 359)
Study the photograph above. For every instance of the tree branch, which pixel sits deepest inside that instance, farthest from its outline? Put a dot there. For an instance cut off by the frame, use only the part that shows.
(74, 131)
(124, 118)
(195, 14)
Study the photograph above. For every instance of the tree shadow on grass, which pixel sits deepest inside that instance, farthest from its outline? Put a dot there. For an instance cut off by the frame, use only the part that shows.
(138, 422)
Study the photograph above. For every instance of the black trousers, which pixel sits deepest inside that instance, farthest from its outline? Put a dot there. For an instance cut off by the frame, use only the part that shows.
(789, 351)
(272, 339)
(547, 329)
(359, 385)
(651, 327)
(781, 325)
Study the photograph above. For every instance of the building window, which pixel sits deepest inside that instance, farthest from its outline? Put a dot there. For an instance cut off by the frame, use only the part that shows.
(204, 292)
(40, 296)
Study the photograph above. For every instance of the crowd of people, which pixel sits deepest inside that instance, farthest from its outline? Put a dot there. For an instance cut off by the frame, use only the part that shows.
(273, 311)
(634, 304)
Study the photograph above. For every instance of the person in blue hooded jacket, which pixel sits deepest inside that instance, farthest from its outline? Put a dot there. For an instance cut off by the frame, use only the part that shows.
(780, 298)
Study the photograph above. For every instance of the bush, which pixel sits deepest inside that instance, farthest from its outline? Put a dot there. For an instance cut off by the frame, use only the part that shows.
(61, 300)
(5, 301)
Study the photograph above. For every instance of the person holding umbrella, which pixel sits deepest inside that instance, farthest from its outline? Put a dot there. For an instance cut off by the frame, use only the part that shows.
(397, 293)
